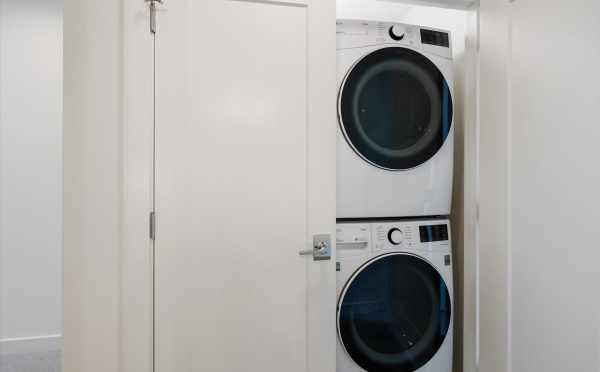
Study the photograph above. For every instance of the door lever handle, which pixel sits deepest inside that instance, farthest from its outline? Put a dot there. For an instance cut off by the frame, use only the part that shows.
(321, 248)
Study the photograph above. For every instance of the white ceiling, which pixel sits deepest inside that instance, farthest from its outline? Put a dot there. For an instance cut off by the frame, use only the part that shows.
(454, 4)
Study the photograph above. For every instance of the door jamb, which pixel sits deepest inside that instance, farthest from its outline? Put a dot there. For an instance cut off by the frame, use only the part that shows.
(137, 259)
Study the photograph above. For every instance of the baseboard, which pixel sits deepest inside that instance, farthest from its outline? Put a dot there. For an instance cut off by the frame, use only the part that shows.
(37, 344)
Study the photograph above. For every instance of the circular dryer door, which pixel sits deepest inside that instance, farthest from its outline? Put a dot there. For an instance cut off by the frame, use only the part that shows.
(395, 108)
(394, 314)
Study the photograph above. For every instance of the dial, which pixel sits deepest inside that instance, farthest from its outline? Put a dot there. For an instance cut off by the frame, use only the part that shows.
(395, 236)
(397, 33)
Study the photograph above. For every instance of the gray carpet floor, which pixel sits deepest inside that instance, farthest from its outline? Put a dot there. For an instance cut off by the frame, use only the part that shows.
(31, 362)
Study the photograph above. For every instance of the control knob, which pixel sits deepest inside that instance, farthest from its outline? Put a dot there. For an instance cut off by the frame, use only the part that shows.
(397, 33)
(395, 236)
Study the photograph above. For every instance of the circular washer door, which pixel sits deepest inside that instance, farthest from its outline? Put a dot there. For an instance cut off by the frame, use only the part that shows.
(395, 108)
(394, 314)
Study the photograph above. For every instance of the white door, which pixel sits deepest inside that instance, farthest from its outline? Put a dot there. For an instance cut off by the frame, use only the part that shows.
(245, 177)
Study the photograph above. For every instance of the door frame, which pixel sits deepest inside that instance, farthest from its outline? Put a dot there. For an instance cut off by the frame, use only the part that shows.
(137, 258)
(466, 205)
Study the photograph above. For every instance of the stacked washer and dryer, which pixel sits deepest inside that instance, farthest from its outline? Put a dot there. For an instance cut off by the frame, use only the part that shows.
(395, 155)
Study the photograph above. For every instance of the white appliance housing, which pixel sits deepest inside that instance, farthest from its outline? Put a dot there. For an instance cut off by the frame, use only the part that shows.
(395, 147)
(395, 296)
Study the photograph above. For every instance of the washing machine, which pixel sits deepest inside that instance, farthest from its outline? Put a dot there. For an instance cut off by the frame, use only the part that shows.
(395, 147)
(394, 291)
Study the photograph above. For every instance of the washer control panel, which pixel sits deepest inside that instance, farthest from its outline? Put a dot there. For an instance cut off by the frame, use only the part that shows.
(434, 233)
(356, 238)
(393, 235)
(353, 233)
(353, 239)
(424, 235)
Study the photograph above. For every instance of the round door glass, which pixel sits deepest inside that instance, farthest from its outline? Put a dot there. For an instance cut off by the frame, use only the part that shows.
(395, 314)
(395, 108)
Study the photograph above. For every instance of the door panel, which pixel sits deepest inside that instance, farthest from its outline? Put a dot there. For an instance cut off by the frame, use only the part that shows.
(234, 181)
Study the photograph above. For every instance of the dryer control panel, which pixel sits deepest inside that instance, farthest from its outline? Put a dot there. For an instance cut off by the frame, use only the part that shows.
(357, 33)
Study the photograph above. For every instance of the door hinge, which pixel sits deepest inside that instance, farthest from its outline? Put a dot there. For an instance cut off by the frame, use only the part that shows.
(152, 225)
(153, 4)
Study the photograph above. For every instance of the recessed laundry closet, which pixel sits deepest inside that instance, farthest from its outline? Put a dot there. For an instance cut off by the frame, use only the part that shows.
(402, 109)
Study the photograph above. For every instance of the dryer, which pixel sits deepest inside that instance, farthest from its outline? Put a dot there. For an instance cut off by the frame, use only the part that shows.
(394, 292)
(395, 147)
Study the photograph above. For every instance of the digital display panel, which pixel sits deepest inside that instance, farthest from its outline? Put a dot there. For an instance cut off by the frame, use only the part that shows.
(433, 233)
(435, 38)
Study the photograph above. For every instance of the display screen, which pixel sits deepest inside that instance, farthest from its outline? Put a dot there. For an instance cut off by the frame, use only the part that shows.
(433, 233)
(435, 38)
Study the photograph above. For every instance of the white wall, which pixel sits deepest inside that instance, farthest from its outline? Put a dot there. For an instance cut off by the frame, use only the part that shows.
(555, 186)
(457, 21)
(30, 174)
(540, 206)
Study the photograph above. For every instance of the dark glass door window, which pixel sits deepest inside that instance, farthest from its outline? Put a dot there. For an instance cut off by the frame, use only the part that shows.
(394, 314)
(395, 108)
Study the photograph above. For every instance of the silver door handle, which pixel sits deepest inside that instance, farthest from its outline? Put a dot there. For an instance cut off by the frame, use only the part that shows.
(321, 248)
